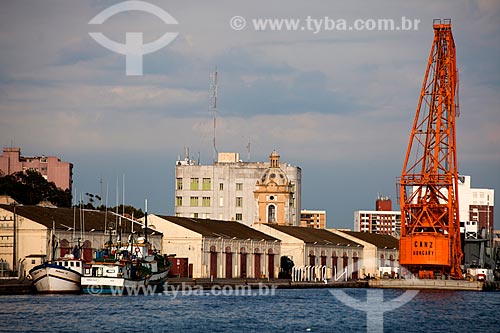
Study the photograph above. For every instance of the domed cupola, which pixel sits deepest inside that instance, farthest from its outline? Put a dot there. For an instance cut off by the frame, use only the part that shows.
(274, 194)
(273, 174)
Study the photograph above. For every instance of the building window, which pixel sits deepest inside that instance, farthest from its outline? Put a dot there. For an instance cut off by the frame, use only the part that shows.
(178, 201)
(221, 202)
(239, 217)
(239, 201)
(179, 183)
(193, 202)
(221, 186)
(271, 214)
(207, 184)
(239, 186)
(206, 202)
(195, 215)
(194, 183)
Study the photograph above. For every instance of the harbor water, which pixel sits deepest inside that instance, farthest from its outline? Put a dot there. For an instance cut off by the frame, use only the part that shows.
(288, 310)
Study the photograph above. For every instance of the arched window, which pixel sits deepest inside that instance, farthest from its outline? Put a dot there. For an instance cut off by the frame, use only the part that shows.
(323, 258)
(243, 262)
(271, 214)
(312, 258)
(355, 274)
(334, 263)
(87, 250)
(64, 247)
(382, 260)
(270, 263)
(229, 263)
(345, 260)
(213, 261)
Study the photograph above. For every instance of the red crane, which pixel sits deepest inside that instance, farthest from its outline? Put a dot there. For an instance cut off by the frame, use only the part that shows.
(430, 225)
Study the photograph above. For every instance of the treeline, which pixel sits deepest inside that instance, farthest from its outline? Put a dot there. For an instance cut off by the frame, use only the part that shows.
(30, 188)
(94, 201)
(128, 210)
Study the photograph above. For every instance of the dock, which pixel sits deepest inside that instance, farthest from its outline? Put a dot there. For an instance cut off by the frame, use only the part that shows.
(15, 286)
(424, 284)
(207, 284)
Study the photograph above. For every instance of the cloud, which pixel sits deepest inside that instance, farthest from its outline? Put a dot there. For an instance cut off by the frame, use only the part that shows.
(340, 104)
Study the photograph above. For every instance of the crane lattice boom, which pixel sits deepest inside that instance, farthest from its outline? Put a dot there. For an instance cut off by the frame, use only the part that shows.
(430, 225)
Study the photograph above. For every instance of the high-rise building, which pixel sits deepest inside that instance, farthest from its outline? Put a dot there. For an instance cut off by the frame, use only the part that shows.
(313, 218)
(476, 206)
(50, 167)
(383, 220)
(233, 190)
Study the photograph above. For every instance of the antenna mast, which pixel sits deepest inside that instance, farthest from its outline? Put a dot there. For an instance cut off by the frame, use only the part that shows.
(248, 151)
(213, 106)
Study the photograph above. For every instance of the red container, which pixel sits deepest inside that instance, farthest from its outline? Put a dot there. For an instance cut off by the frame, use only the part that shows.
(179, 267)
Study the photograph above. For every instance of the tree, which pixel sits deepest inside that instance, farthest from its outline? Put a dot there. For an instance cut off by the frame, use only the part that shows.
(30, 187)
(91, 204)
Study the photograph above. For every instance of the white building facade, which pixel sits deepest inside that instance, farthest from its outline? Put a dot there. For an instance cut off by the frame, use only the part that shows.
(378, 222)
(380, 252)
(219, 249)
(309, 247)
(225, 189)
(476, 205)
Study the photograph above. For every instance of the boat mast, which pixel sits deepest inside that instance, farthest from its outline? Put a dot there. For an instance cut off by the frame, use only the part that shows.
(146, 221)
(53, 240)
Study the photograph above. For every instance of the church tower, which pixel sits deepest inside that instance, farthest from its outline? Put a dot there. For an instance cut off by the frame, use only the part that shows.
(274, 195)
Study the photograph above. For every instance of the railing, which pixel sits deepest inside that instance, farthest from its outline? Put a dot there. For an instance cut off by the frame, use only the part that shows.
(309, 273)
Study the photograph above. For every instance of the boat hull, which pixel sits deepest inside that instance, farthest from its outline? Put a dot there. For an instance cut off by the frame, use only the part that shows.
(120, 286)
(52, 278)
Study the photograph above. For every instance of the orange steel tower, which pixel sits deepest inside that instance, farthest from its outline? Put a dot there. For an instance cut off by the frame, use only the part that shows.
(430, 228)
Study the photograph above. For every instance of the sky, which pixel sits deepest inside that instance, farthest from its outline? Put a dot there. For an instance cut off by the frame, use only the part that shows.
(339, 103)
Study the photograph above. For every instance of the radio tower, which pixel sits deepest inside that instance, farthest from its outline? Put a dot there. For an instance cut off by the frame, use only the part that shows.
(430, 225)
(213, 107)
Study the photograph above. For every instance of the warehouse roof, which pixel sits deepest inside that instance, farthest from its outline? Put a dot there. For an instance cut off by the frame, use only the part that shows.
(380, 241)
(315, 236)
(69, 218)
(216, 228)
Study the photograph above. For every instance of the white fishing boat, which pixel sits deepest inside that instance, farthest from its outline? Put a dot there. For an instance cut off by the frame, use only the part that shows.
(125, 271)
(129, 268)
(58, 276)
(62, 275)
